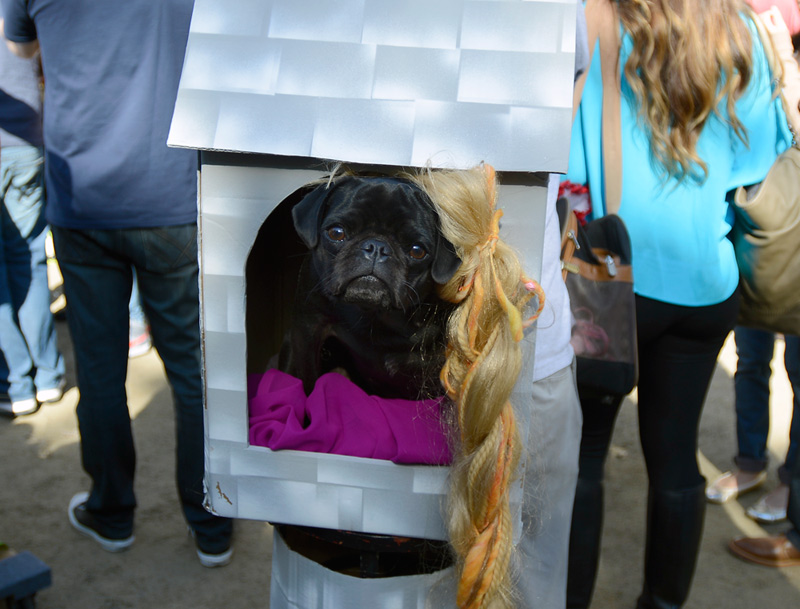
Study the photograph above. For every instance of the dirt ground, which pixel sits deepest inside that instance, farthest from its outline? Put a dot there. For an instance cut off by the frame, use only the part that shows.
(40, 470)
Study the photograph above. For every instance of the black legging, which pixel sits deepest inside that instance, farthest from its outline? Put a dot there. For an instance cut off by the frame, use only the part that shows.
(678, 350)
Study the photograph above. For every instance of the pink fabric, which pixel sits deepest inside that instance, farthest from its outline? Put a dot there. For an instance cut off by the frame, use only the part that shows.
(339, 418)
(788, 8)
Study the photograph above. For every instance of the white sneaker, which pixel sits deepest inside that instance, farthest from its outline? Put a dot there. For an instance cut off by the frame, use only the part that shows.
(83, 522)
(19, 408)
(48, 396)
(139, 341)
(215, 560)
(211, 560)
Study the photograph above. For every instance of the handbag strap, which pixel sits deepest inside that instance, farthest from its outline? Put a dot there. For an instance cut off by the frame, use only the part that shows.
(602, 24)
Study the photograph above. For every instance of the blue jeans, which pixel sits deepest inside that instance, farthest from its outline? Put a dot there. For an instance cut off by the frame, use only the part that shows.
(27, 331)
(3, 376)
(97, 266)
(751, 381)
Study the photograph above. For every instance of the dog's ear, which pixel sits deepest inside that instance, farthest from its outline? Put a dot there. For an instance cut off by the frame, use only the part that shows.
(308, 213)
(446, 261)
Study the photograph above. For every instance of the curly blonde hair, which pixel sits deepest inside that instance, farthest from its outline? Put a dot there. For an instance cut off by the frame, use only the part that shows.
(482, 365)
(688, 58)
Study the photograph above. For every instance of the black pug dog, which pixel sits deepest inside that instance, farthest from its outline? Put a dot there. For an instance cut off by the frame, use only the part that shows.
(366, 302)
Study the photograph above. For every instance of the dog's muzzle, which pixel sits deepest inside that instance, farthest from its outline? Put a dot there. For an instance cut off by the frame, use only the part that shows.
(369, 291)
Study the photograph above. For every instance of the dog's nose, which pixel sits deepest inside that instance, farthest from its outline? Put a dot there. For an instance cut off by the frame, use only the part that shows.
(376, 250)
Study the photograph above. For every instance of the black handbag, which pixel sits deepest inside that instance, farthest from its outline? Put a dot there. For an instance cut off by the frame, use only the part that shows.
(596, 265)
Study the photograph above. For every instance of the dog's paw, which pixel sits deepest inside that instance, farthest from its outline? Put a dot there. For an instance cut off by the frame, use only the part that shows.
(341, 371)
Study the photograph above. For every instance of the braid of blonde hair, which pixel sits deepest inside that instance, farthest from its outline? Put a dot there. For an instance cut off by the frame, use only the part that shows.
(482, 365)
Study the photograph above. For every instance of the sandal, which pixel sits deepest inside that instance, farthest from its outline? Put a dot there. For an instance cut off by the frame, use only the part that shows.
(722, 491)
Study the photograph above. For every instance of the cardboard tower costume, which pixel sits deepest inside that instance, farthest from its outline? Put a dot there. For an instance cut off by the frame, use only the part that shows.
(273, 94)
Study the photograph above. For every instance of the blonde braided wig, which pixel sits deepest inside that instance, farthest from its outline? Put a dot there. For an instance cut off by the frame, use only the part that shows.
(482, 365)
(688, 57)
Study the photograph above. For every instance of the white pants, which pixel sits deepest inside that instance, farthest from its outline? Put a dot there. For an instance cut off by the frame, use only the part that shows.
(551, 474)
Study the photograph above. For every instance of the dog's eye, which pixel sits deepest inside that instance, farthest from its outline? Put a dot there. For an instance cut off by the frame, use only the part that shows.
(336, 233)
(417, 252)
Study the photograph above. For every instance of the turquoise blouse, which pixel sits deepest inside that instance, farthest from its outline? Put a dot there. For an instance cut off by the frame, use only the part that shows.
(681, 253)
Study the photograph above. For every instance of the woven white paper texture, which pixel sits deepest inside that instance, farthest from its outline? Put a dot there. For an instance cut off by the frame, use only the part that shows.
(306, 488)
(299, 583)
(450, 82)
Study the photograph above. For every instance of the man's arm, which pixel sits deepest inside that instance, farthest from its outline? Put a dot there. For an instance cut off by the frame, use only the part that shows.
(26, 50)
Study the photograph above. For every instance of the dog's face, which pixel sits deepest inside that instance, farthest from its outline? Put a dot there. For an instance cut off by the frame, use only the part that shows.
(375, 242)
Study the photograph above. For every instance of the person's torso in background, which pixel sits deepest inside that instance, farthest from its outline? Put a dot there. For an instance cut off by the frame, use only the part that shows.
(111, 72)
(20, 100)
(681, 254)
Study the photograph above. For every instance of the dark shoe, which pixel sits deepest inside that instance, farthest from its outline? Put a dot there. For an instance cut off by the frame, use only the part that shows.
(775, 551)
(86, 524)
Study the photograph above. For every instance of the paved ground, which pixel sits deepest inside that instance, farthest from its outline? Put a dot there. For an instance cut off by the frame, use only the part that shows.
(40, 470)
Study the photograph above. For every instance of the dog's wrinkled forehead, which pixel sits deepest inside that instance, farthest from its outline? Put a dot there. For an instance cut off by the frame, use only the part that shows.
(380, 192)
(381, 202)
(364, 201)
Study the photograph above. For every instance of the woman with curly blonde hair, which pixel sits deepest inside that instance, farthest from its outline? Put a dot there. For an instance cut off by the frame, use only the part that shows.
(697, 118)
